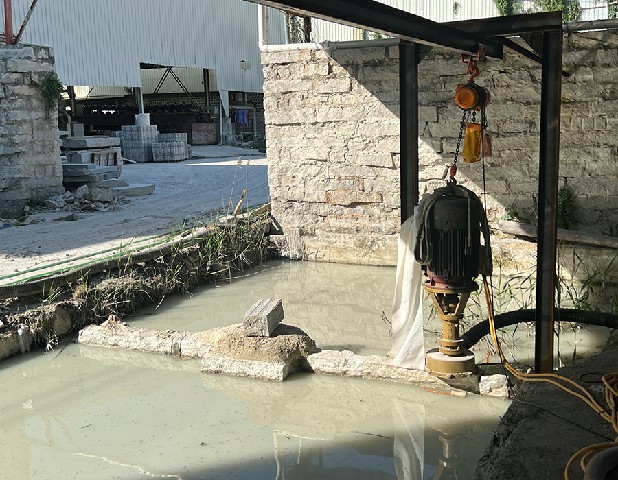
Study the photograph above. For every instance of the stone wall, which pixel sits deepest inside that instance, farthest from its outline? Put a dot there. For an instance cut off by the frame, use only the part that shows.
(332, 125)
(30, 166)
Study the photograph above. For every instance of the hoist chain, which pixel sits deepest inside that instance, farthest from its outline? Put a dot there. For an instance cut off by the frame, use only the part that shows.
(462, 128)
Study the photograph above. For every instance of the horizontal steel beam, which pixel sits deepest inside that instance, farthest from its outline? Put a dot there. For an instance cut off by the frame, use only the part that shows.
(378, 17)
(511, 24)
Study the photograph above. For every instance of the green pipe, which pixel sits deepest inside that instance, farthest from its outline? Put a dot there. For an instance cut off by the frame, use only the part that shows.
(69, 260)
(98, 260)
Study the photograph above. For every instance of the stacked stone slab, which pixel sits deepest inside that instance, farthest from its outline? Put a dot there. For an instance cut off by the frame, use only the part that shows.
(30, 165)
(171, 147)
(91, 160)
(137, 142)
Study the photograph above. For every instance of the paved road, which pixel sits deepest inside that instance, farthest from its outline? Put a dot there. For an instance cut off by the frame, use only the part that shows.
(191, 190)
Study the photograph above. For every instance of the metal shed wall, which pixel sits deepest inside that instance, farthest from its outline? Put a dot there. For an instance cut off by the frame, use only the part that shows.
(102, 42)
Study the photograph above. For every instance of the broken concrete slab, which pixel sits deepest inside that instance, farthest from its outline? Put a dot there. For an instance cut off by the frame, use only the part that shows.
(90, 142)
(114, 333)
(135, 189)
(112, 182)
(261, 370)
(266, 358)
(223, 350)
(227, 350)
(263, 317)
(347, 363)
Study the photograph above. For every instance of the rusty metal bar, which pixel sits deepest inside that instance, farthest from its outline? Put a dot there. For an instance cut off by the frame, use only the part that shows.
(8, 22)
(26, 20)
(551, 87)
(408, 121)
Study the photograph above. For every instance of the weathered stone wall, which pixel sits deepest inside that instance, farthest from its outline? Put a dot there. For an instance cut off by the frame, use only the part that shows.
(30, 166)
(332, 120)
(331, 125)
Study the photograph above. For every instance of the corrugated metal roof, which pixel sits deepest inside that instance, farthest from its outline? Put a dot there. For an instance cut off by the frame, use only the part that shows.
(102, 42)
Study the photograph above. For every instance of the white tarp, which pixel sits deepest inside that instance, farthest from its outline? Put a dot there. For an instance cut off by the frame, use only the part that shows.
(408, 348)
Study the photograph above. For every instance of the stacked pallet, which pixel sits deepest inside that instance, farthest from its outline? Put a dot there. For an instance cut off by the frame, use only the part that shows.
(137, 141)
(171, 147)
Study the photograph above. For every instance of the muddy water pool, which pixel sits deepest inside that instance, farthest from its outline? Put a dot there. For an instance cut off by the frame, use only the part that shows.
(92, 413)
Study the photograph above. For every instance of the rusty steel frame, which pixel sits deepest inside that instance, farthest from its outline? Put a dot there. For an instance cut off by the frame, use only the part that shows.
(468, 36)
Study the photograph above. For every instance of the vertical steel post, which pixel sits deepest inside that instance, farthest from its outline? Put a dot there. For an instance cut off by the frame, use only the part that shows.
(206, 78)
(140, 100)
(408, 120)
(8, 22)
(551, 87)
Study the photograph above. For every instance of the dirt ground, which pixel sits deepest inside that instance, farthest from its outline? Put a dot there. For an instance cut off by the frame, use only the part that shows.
(194, 190)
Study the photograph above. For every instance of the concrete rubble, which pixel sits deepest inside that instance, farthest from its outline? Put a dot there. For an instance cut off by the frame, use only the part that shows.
(229, 351)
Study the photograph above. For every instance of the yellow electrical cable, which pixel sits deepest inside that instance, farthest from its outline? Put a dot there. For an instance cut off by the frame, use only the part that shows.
(610, 381)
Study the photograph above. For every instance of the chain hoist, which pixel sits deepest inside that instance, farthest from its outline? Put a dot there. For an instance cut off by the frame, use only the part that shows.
(471, 98)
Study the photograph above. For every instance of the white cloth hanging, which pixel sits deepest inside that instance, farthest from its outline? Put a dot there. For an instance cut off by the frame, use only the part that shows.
(408, 347)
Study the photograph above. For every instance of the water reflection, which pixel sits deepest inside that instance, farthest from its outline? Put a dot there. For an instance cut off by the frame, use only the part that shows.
(101, 413)
(95, 413)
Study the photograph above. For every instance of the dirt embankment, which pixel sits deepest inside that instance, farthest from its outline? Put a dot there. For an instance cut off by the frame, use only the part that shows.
(36, 315)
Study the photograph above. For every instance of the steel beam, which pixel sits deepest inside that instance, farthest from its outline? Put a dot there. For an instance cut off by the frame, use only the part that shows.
(408, 124)
(510, 25)
(551, 86)
(378, 17)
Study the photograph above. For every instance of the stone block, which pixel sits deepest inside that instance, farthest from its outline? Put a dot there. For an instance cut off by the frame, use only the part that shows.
(169, 152)
(172, 137)
(134, 189)
(263, 317)
(22, 65)
(79, 156)
(90, 142)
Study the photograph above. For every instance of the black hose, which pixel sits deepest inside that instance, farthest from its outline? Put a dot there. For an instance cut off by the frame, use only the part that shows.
(586, 317)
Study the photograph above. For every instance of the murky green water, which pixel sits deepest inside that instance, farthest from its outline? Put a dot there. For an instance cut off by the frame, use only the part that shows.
(93, 413)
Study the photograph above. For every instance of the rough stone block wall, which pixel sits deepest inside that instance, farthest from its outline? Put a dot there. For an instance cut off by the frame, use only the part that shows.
(332, 125)
(30, 166)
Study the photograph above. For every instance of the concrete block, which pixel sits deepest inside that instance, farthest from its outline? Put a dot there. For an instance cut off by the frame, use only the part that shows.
(169, 152)
(135, 189)
(172, 137)
(90, 142)
(79, 156)
(263, 317)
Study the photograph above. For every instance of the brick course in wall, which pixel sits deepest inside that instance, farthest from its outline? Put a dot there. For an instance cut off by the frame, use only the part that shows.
(30, 166)
(332, 125)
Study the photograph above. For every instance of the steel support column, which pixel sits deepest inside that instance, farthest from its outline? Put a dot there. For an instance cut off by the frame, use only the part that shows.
(139, 96)
(8, 22)
(551, 87)
(408, 121)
